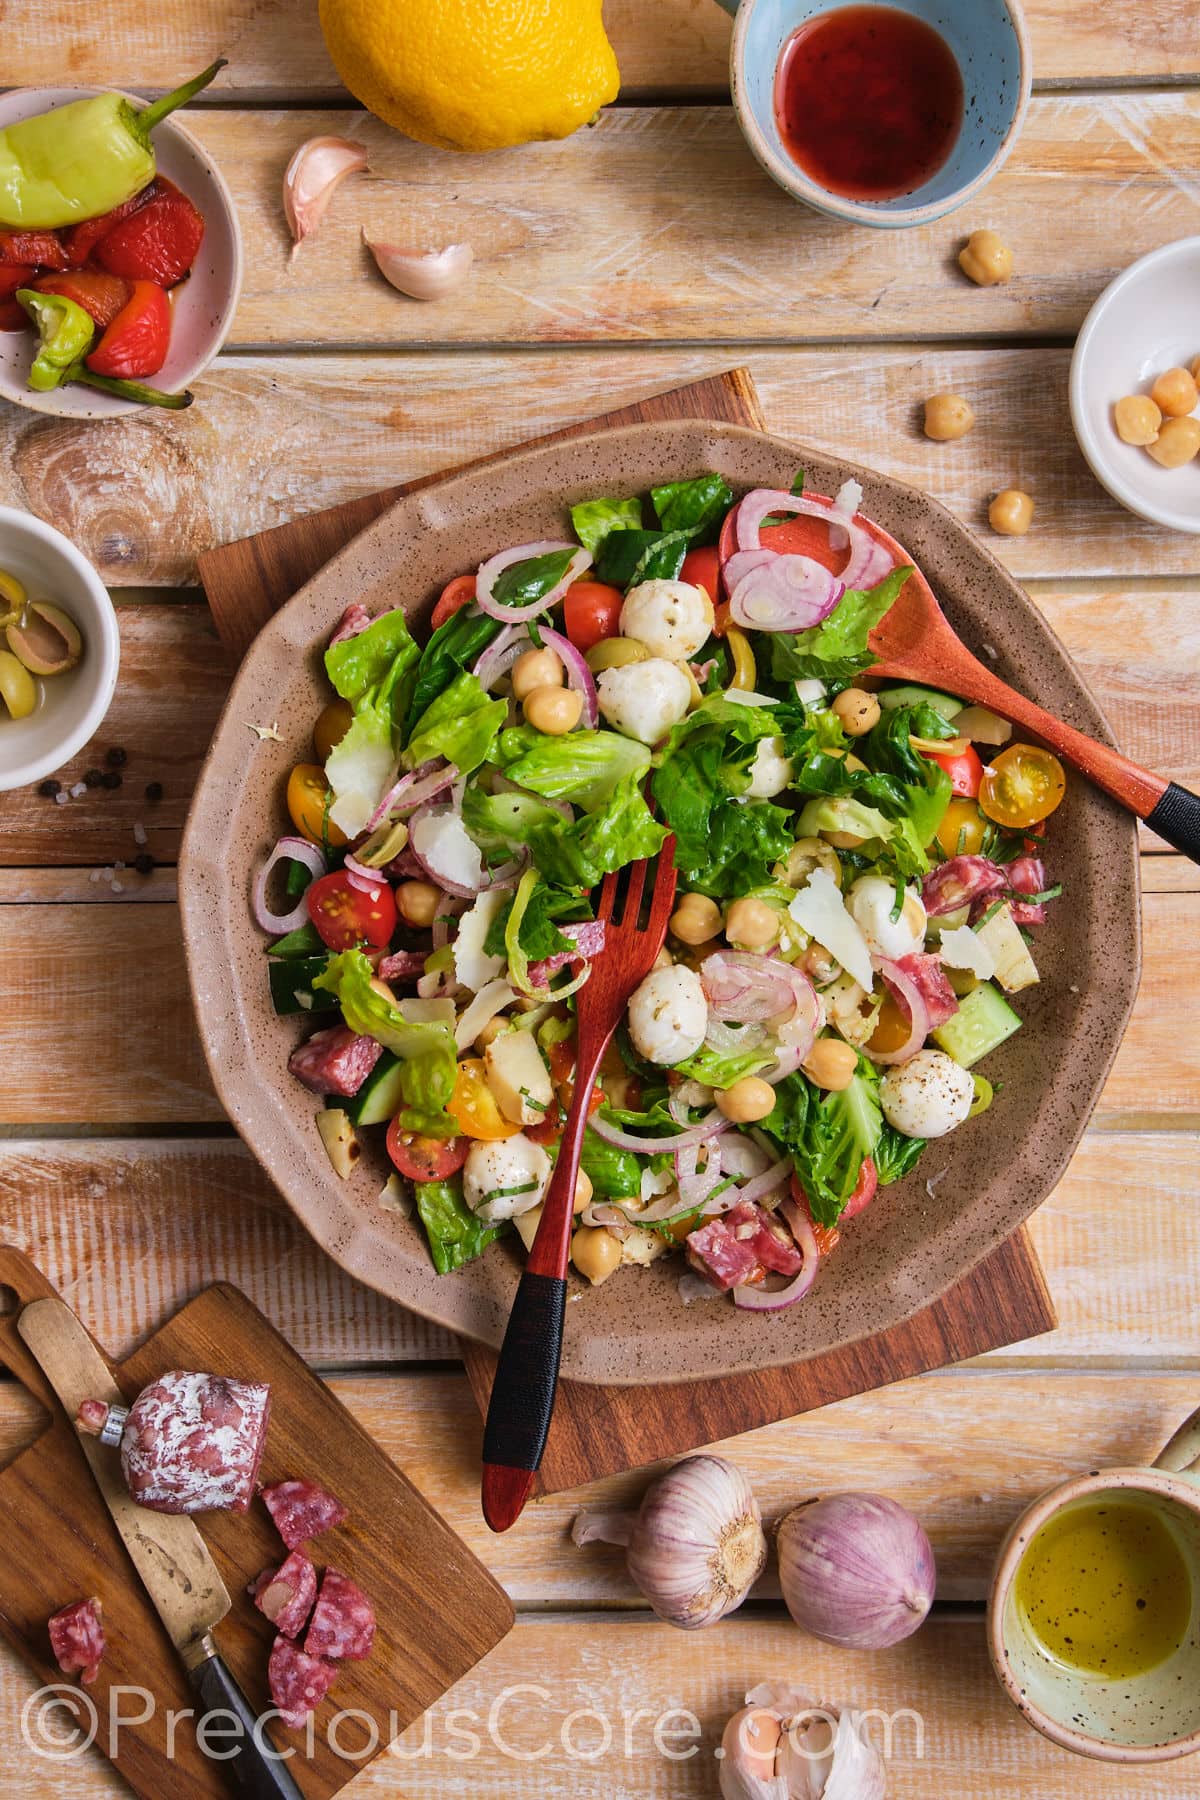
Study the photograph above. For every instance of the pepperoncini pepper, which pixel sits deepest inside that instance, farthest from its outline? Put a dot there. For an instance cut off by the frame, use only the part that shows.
(745, 670)
(66, 331)
(83, 159)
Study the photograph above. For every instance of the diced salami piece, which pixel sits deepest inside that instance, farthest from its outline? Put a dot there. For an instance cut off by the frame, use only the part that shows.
(1027, 875)
(190, 1442)
(356, 618)
(298, 1682)
(959, 882)
(587, 939)
(402, 965)
(929, 978)
(717, 1253)
(77, 1639)
(285, 1595)
(302, 1510)
(335, 1061)
(343, 1621)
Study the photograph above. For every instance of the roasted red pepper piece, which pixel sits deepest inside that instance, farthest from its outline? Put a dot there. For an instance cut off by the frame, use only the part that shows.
(158, 243)
(33, 249)
(137, 341)
(13, 316)
(80, 240)
(13, 277)
(102, 296)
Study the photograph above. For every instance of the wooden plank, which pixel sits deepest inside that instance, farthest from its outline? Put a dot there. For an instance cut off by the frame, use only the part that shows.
(605, 1693)
(667, 48)
(273, 438)
(1093, 182)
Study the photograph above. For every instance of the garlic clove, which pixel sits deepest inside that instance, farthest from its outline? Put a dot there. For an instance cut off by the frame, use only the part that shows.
(311, 179)
(423, 274)
(46, 639)
(749, 1745)
(850, 1768)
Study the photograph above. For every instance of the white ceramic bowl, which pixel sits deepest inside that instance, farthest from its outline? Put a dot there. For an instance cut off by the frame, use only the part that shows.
(203, 305)
(72, 706)
(1144, 322)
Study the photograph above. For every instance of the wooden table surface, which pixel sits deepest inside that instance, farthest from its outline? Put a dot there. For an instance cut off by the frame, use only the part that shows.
(639, 253)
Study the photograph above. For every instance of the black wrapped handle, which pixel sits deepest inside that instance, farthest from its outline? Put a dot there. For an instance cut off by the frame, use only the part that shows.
(522, 1400)
(1177, 819)
(256, 1771)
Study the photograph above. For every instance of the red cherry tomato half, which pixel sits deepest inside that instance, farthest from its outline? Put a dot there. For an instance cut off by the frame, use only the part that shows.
(703, 568)
(864, 1189)
(347, 918)
(965, 770)
(454, 596)
(425, 1158)
(592, 612)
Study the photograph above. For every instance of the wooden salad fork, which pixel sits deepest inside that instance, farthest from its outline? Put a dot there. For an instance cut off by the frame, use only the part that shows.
(916, 642)
(522, 1398)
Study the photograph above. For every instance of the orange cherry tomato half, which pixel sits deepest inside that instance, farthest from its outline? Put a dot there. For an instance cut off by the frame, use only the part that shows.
(1022, 787)
(828, 1236)
(425, 1158)
(333, 722)
(703, 568)
(308, 799)
(473, 1105)
(454, 596)
(961, 830)
(347, 918)
(592, 612)
(965, 770)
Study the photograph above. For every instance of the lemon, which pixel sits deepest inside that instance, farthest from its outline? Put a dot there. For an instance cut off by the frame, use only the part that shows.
(474, 74)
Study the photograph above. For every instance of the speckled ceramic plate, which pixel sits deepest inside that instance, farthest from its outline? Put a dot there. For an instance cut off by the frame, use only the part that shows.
(922, 1234)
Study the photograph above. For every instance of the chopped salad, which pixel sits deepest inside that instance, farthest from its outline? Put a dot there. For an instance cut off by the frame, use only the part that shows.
(860, 881)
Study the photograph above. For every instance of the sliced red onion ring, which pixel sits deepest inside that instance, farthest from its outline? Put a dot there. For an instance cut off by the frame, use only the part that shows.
(960, 881)
(684, 1098)
(910, 996)
(413, 790)
(766, 1183)
(869, 560)
(500, 656)
(612, 1217)
(760, 1298)
(288, 849)
(579, 676)
(744, 562)
(494, 567)
(790, 593)
(365, 879)
(748, 988)
(709, 1127)
(695, 1185)
(742, 1157)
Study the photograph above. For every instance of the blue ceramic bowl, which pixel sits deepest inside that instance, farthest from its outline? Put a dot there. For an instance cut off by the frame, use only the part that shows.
(991, 45)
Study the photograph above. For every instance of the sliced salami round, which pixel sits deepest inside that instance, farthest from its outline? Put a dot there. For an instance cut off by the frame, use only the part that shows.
(343, 1621)
(190, 1442)
(298, 1682)
(77, 1638)
(285, 1595)
(302, 1510)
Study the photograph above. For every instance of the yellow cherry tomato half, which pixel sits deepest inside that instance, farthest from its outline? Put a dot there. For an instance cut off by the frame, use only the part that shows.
(961, 830)
(331, 727)
(1022, 786)
(893, 1028)
(473, 1106)
(308, 805)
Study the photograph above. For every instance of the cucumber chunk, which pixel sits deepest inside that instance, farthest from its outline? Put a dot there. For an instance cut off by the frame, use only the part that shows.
(984, 1019)
(292, 989)
(379, 1099)
(912, 695)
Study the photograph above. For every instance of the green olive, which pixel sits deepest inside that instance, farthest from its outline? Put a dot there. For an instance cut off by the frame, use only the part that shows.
(615, 653)
(18, 689)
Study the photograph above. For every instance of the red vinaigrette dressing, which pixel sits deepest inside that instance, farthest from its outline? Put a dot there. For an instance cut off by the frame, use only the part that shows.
(868, 100)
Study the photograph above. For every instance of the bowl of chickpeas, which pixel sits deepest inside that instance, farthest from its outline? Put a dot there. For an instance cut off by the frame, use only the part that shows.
(1135, 387)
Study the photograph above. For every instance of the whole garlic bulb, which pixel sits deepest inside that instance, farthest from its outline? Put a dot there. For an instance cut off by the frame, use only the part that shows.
(856, 1569)
(695, 1547)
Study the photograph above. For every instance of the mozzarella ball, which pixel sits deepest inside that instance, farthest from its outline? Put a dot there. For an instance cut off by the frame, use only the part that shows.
(512, 1162)
(645, 699)
(668, 1015)
(927, 1096)
(673, 619)
(870, 904)
(771, 770)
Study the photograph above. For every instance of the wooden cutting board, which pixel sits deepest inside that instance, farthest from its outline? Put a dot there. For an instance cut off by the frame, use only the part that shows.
(601, 1430)
(438, 1609)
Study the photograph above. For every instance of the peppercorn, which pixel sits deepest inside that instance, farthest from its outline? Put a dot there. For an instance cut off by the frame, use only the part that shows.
(50, 788)
(143, 862)
(154, 790)
(93, 778)
(110, 779)
(116, 757)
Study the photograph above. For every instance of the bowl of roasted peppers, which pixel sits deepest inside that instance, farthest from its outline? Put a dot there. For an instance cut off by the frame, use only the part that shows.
(120, 255)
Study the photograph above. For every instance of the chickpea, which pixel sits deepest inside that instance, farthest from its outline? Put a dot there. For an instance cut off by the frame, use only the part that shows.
(417, 902)
(749, 1099)
(947, 416)
(857, 710)
(583, 1191)
(818, 964)
(1175, 393)
(830, 1064)
(752, 924)
(491, 1032)
(595, 1253)
(1137, 419)
(986, 259)
(696, 919)
(535, 669)
(1196, 369)
(553, 710)
(1011, 512)
(1177, 443)
(664, 960)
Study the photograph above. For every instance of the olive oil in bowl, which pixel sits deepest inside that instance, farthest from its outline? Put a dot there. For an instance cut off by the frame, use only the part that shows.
(1105, 1588)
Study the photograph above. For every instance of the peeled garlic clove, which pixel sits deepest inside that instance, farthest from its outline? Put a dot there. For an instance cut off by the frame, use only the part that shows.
(423, 274)
(749, 1745)
(46, 640)
(311, 179)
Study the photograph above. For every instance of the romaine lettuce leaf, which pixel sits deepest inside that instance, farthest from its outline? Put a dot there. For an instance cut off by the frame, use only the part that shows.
(895, 1154)
(374, 671)
(567, 854)
(837, 650)
(827, 1136)
(427, 1050)
(455, 1235)
(721, 1068)
(582, 766)
(722, 848)
(539, 936)
(374, 658)
(461, 725)
(614, 1174)
(594, 519)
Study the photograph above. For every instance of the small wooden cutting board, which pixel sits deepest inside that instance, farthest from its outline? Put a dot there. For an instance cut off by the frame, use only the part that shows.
(438, 1609)
(598, 1431)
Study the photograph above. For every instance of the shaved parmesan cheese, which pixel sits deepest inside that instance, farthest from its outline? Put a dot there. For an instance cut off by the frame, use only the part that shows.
(962, 949)
(820, 910)
(441, 845)
(473, 968)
